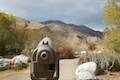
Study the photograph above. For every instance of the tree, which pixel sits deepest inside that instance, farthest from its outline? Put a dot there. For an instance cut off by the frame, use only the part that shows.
(112, 19)
(6, 32)
(6, 19)
(112, 40)
(112, 14)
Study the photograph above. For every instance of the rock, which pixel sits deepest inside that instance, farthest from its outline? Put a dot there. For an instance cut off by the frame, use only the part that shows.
(4, 63)
(80, 54)
(20, 59)
(77, 54)
(4, 66)
(83, 53)
(86, 71)
(97, 52)
(85, 75)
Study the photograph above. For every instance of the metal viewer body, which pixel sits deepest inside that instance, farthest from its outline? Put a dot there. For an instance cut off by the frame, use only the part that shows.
(45, 62)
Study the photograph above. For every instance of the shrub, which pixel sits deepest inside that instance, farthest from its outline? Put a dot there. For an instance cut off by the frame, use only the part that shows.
(66, 53)
(105, 61)
(112, 40)
(91, 46)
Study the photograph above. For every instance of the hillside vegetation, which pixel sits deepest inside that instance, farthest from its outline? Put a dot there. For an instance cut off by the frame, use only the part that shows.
(20, 35)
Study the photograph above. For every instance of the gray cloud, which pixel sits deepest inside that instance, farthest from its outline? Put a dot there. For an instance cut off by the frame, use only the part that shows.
(87, 12)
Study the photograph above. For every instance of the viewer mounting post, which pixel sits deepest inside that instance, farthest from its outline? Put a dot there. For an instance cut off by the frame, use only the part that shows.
(45, 61)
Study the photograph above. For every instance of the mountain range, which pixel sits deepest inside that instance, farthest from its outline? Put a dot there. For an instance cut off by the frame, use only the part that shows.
(60, 27)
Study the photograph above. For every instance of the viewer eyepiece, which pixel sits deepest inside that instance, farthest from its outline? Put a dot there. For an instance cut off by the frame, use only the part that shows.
(44, 55)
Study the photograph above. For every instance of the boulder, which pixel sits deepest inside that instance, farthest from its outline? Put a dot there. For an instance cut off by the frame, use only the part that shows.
(83, 53)
(85, 75)
(86, 71)
(4, 63)
(80, 54)
(20, 62)
(20, 59)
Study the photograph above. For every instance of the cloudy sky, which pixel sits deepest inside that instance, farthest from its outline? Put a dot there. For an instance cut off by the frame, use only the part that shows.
(85, 12)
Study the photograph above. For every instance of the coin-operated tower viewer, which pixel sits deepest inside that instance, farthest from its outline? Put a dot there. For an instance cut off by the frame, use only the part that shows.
(45, 61)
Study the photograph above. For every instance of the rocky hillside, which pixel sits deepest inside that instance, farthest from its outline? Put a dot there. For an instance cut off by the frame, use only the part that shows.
(60, 27)
(22, 23)
(74, 35)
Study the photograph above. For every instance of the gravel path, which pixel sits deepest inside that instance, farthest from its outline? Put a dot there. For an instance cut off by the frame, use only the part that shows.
(67, 68)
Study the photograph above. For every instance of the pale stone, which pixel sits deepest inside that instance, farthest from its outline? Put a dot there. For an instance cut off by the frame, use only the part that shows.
(86, 71)
(4, 63)
(85, 75)
(83, 53)
(20, 59)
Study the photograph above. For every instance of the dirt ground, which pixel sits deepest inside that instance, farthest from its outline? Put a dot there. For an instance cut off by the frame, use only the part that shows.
(67, 68)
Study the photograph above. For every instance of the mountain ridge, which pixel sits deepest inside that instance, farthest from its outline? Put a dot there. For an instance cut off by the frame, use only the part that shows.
(77, 28)
(58, 26)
